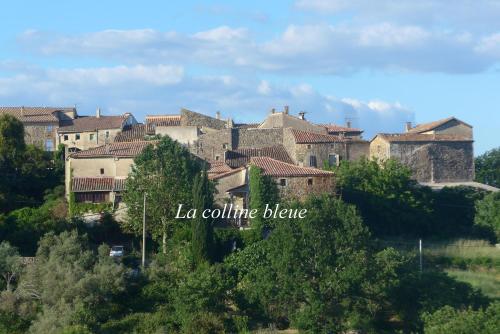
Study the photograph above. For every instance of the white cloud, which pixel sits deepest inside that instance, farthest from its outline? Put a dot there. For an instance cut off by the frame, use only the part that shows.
(137, 89)
(314, 49)
(490, 45)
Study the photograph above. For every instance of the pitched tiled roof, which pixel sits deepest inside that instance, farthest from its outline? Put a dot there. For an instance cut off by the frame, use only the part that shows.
(275, 168)
(124, 149)
(241, 157)
(432, 125)
(338, 128)
(92, 123)
(218, 167)
(221, 175)
(305, 137)
(34, 114)
(136, 132)
(86, 184)
(421, 137)
(246, 125)
(164, 120)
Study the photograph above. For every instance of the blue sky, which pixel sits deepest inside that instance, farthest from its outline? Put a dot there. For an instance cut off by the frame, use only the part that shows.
(378, 63)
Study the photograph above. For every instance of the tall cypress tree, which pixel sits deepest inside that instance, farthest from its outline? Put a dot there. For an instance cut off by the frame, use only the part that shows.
(202, 228)
(263, 190)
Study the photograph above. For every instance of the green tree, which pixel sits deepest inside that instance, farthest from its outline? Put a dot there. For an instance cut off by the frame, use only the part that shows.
(165, 172)
(316, 273)
(202, 228)
(488, 214)
(71, 284)
(390, 202)
(263, 190)
(12, 144)
(452, 321)
(488, 168)
(10, 264)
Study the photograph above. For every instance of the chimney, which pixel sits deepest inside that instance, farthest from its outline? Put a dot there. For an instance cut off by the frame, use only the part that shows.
(302, 115)
(348, 124)
(98, 112)
(273, 111)
(217, 115)
(408, 126)
(285, 109)
(22, 110)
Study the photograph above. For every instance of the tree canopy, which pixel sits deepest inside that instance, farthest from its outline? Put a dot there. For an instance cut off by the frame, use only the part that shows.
(488, 168)
(165, 171)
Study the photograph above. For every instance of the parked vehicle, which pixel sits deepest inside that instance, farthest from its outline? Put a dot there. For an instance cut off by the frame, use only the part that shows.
(116, 251)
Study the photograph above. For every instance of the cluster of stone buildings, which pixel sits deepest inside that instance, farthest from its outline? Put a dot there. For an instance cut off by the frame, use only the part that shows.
(289, 148)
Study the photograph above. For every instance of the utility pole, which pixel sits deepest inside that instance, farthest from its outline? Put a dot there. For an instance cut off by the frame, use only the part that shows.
(420, 253)
(144, 232)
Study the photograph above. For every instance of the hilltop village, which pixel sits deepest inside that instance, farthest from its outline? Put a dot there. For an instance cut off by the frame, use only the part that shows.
(100, 150)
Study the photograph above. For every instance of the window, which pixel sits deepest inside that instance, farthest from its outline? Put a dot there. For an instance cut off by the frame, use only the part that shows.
(217, 158)
(91, 136)
(333, 159)
(77, 136)
(283, 182)
(102, 171)
(312, 161)
(49, 128)
(309, 146)
(65, 137)
(49, 145)
(107, 134)
(309, 181)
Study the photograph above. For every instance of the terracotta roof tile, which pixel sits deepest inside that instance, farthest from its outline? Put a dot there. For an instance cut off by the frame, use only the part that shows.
(86, 184)
(337, 128)
(305, 137)
(136, 132)
(164, 120)
(92, 123)
(277, 168)
(221, 175)
(122, 149)
(218, 167)
(432, 125)
(34, 114)
(421, 137)
(241, 157)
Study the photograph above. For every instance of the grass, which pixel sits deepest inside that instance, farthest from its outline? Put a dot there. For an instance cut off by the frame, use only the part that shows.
(487, 281)
(463, 248)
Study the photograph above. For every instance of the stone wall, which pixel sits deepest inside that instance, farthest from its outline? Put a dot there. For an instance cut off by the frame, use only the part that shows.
(298, 187)
(213, 144)
(454, 127)
(231, 181)
(88, 139)
(183, 134)
(191, 118)
(256, 138)
(358, 149)
(39, 133)
(436, 161)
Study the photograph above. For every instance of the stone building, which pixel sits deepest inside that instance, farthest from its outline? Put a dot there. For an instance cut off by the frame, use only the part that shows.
(436, 152)
(41, 123)
(87, 132)
(98, 174)
(311, 149)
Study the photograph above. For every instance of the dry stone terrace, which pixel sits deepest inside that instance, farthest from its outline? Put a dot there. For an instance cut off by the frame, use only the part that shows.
(104, 146)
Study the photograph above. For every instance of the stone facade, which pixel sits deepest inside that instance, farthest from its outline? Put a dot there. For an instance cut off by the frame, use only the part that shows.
(429, 161)
(301, 187)
(42, 135)
(191, 118)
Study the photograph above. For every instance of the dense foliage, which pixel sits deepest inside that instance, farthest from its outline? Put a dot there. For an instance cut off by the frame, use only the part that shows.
(165, 172)
(488, 168)
(27, 171)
